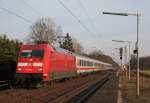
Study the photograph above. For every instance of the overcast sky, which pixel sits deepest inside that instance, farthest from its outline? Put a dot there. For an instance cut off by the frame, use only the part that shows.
(102, 28)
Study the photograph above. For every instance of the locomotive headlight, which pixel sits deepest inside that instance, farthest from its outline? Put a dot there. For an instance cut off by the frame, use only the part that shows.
(19, 69)
(44, 75)
(40, 69)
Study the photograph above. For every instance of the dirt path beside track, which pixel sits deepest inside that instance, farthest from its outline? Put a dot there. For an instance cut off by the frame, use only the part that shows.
(129, 89)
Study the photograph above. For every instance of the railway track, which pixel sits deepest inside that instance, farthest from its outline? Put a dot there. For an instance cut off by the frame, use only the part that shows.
(87, 93)
(5, 84)
(82, 93)
(69, 89)
(142, 74)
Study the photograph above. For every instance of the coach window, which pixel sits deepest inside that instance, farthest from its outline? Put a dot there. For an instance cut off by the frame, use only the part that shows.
(84, 63)
(80, 63)
(91, 63)
(77, 62)
(88, 63)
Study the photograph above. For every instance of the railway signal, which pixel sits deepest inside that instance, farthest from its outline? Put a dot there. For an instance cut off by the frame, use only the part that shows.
(135, 51)
(126, 41)
(121, 52)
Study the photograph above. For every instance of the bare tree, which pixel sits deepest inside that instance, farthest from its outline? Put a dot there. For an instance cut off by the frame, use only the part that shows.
(44, 30)
(78, 48)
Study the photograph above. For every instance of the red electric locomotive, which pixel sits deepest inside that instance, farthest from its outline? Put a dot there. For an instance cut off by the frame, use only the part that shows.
(41, 62)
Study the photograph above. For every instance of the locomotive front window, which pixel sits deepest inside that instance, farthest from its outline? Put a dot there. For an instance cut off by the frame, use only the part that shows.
(37, 53)
(32, 53)
(26, 53)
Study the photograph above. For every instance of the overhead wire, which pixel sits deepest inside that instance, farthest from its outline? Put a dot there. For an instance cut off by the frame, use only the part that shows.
(81, 23)
(38, 13)
(15, 14)
(32, 8)
(86, 13)
(90, 21)
(19, 16)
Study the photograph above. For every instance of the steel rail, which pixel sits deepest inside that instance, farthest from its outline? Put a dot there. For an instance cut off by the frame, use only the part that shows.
(87, 93)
